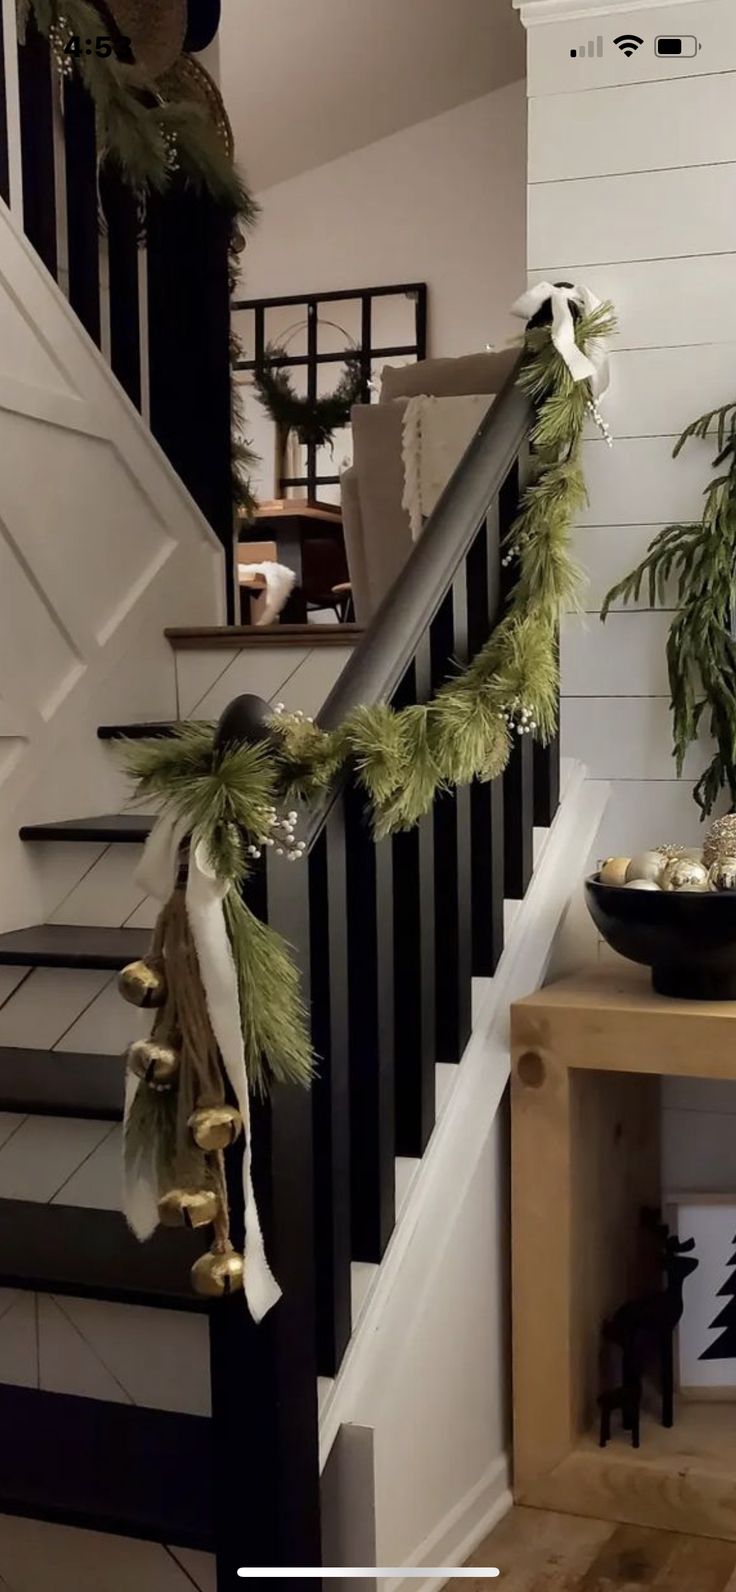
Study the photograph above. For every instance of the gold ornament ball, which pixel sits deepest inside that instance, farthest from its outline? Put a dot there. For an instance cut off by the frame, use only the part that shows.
(647, 865)
(685, 874)
(143, 984)
(157, 1065)
(642, 884)
(215, 1127)
(722, 874)
(218, 1273)
(613, 870)
(721, 839)
(183, 1207)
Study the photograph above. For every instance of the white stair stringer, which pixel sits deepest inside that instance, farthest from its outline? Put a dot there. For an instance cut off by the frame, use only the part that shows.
(101, 547)
(426, 1367)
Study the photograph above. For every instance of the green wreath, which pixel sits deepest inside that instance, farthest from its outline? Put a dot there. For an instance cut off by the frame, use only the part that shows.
(313, 419)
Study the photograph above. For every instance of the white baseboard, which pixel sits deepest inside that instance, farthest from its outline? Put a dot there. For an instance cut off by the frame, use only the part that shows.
(464, 1527)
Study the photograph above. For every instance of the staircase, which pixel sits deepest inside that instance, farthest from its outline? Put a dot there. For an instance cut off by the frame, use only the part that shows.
(136, 1409)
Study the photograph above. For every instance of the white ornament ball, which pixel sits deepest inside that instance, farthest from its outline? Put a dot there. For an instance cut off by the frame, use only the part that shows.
(641, 884)
(683, 873)
(722, 874)
(613, 870)
(647, 865)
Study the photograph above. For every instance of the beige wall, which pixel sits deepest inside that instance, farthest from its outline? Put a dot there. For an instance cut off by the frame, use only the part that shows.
(442, 202)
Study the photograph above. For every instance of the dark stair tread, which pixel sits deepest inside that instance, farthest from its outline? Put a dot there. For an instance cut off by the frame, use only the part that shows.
(72, 945)
(111, 828)
(107, 1467)
(138, 732)
(91, 1254)
(62, 1083)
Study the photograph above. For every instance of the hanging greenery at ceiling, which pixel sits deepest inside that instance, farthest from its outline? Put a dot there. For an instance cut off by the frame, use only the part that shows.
(696, 562)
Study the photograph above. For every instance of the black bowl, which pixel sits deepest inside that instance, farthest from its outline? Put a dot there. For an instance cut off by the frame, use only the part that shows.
(687, 937)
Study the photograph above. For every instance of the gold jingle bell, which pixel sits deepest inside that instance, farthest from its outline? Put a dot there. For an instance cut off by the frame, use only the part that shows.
(215, 1127)
(157, 1065)
(218, 1273)
(683, 873)
(722, 874)
(143, 984)
(184, 1207)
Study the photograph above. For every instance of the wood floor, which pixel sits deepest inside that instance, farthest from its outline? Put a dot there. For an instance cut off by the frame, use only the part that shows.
(541, 1552)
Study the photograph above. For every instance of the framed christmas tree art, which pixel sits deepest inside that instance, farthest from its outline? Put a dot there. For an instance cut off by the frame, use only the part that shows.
(705, 1362)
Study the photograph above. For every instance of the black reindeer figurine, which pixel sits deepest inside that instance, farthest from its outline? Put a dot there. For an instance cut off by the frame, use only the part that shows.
(645, 1324)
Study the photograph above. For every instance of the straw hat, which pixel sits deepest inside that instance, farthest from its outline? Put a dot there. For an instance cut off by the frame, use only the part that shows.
(156, 29)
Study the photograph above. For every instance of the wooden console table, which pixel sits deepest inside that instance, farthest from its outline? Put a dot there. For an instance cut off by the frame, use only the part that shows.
(587, 1057)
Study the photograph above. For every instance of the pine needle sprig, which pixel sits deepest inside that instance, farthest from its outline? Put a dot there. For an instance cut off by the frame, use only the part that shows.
(273, 1015)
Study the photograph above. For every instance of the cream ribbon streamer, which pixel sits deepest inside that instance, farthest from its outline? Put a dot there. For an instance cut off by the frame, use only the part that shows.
(593, 367)
(205, 895)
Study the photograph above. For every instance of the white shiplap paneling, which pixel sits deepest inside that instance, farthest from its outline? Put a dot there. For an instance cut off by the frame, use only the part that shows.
(645, 216)
(606, 553)
(638, 483)
(663, 303)
(624, 657)
(640, 127)
(655, 392)
(625, 737)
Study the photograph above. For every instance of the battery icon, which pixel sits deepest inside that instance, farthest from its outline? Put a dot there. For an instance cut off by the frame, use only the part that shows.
(682, 44)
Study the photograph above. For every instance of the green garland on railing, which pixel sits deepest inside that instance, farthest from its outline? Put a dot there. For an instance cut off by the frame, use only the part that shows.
(230, 799)
(700, 559)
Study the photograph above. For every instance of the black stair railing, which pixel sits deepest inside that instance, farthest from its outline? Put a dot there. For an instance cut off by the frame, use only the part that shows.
(389, 936)
(151, 288)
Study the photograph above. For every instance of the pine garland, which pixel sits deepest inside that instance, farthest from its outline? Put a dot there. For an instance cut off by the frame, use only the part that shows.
(701, 648)
(230, 799)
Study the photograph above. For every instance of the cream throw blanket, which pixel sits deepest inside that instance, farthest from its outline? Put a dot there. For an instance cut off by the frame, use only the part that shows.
(436, 433)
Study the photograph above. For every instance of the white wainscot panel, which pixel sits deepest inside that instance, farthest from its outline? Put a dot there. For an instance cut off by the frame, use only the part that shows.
(623, 657)
(97, 1183)
(644, 813)
(105, 1026)
(91, 1561)
(552, 70)
(637, 127)
(606, 553)
(196, 673)
(626, 738)
(637, 482)
(312, 682)
(24, 356)
(35, 652)
(262, 671)
(38, 1160)
(657, 392)
(46, 1004)
(158, 1359)
(661, 303)
(107, 894)
(644, 216)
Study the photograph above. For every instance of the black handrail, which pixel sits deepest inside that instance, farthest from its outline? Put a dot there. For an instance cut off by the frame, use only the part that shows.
(391, 640)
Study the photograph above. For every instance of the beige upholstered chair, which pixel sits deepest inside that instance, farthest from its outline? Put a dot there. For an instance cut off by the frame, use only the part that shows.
(377, 533)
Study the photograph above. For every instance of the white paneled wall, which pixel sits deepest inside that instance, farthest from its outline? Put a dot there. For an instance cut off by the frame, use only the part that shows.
(632, 189)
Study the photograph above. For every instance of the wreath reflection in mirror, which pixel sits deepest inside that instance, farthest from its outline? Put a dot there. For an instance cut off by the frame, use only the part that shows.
(313, 419)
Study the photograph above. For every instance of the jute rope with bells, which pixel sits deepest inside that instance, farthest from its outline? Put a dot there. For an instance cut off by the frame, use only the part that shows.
(182, 1060)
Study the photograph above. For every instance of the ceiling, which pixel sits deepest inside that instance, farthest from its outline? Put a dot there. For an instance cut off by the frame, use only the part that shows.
(307, 80)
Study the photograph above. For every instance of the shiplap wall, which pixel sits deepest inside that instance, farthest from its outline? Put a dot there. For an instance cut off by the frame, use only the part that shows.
(632, 189)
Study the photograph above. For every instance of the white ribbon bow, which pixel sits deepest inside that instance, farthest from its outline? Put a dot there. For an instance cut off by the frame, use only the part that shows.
(593, 367)
(205, 895)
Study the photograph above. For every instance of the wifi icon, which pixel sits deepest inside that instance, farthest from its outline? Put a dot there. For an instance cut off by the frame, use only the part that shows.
(628, 43)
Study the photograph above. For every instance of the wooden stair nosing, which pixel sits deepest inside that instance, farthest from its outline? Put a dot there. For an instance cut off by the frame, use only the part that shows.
(159, 730)
(209, 638)
(60, 1083)
(107, 829)
(82, 1253)
(110, 1467)
(73, 945)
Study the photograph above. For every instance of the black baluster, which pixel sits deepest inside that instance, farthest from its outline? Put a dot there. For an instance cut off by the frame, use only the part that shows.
(518, 779)
(37, 143)
(414, 973)
(371, 1006)
(83, 236)
(486, 799)
(121, 215)
(453, 909)
(4, 128)
(330, 1091)
(189, 352)
(547, 777)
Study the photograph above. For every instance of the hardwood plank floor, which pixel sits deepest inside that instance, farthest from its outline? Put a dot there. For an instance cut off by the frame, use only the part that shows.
(537, 1551)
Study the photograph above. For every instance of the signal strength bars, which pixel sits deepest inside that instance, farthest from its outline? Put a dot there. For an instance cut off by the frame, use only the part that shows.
(593, 47)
